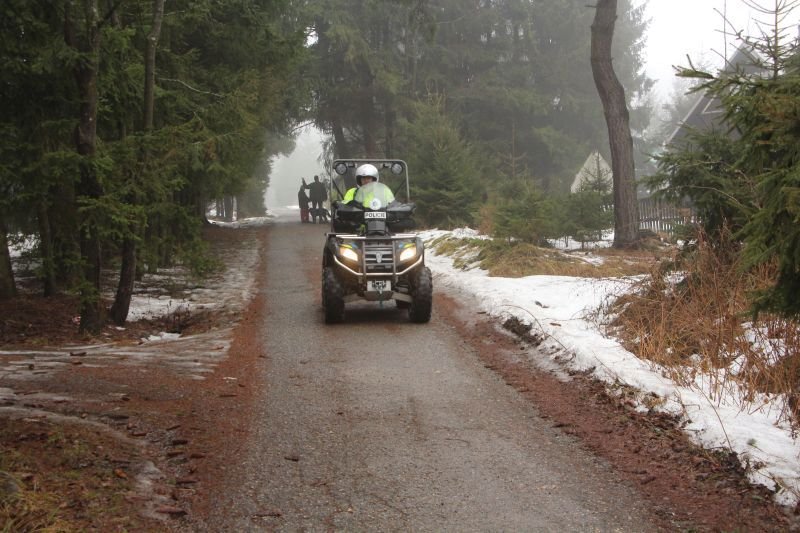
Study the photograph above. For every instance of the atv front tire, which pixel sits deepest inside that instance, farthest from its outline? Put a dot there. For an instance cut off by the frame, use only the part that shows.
(422, 296)
(332, 297)
(402, 286)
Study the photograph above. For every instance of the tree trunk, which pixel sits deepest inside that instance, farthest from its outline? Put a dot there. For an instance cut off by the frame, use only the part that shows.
(612, 95)
(368, 122)
(228, 202)
(46, 251)
(150, 63)
(390, 123)
(8, 288)
(201, 207)
(61, 212)
(85, 72)
(127, 274)
(340, 141)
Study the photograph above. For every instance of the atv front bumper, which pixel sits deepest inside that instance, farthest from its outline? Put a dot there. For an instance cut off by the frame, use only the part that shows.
(377, 266)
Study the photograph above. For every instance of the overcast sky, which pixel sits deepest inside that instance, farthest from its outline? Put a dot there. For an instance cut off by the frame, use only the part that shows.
(694, 27)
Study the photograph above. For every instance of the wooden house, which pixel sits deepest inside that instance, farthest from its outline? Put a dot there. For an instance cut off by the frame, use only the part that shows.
(707, 113)
(595, 170)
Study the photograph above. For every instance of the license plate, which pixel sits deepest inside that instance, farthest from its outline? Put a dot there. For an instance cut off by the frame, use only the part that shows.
(379, 286)
(375, 214)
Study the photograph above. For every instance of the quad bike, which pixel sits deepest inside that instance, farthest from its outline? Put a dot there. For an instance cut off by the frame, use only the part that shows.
(367, 255)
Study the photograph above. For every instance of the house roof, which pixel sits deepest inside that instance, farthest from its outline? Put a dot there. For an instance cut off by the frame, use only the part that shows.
(707, 113)
(594, 166)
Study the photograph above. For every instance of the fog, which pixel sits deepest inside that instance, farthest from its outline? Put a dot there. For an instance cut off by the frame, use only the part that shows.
(697, 28)
(304, 162)
(677, 28)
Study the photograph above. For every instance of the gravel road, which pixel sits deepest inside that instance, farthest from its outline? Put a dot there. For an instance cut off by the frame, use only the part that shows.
(382, 425)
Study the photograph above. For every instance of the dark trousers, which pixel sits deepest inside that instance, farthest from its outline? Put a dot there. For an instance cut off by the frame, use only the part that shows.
(316, 205)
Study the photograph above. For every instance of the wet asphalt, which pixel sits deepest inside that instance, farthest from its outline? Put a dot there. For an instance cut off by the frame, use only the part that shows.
(379, 424)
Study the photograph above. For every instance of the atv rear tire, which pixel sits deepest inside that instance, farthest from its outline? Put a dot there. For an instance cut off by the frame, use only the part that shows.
(422, 294)
(332, 297)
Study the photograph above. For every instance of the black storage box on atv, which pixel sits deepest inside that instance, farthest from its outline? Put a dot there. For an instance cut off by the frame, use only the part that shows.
(368, 254)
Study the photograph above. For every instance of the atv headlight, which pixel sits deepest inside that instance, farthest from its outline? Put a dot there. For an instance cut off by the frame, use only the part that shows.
(346, 252)
(408, 253)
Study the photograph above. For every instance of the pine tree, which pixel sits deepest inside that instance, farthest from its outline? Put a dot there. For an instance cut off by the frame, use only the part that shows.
(138, 174)
(503, 66)
(445, 177)
(524, 213)
(587, 215)
(745, 178)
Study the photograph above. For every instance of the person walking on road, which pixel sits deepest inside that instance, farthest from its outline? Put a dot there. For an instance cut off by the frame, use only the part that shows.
(302, 202)
(317, 193)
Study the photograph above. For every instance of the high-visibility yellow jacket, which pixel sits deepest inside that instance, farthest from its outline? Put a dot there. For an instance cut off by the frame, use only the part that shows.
(374, 195)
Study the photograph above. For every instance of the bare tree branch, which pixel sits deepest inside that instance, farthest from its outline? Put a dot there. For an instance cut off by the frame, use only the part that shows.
(192, 88)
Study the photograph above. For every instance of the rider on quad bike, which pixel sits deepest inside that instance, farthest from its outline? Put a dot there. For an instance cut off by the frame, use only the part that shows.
(364, 173)
(367, 256)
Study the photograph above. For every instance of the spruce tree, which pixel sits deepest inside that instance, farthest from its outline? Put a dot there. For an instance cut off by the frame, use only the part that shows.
(445, 171)
(745, 177)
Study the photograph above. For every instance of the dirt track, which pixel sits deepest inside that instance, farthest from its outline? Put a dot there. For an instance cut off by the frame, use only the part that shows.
(386, 425)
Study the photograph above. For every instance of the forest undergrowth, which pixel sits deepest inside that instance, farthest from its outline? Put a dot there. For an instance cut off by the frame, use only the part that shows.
(692, 317)
(513, 259)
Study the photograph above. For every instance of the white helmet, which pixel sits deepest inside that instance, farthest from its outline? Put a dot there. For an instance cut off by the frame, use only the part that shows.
(366, 170)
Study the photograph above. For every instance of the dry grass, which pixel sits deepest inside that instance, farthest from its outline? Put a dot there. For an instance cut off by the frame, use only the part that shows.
(66, 481)
(517, 259)
(699, 328)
